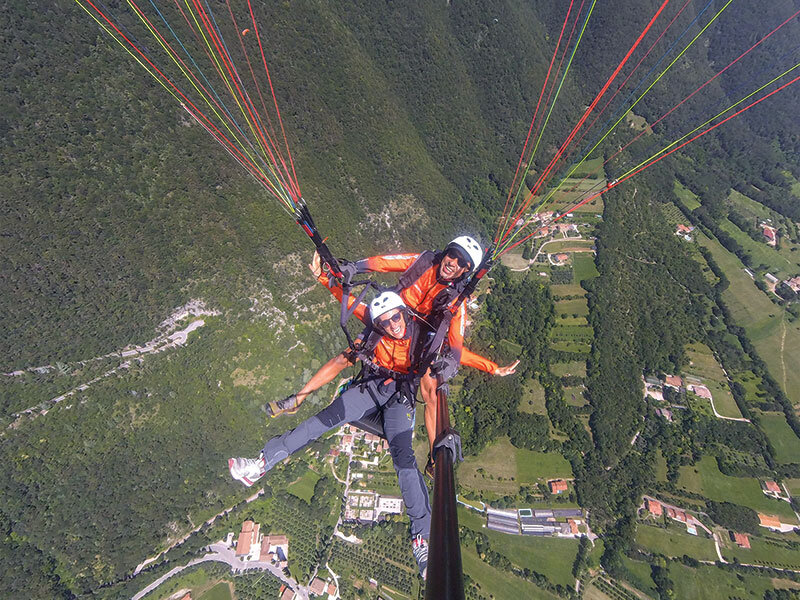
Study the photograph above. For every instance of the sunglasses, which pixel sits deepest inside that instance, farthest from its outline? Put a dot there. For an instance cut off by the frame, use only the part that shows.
(393, 319)
(459, 258)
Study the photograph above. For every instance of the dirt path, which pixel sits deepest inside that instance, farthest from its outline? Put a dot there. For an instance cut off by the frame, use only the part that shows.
(783, 345)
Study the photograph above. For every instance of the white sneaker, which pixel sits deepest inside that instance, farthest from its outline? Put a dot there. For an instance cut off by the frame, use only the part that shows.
(247, 470)
(419, 548)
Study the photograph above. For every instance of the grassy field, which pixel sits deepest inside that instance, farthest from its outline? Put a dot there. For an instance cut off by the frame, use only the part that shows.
(574, 396)
(533, 399)
(503, 468)
(702, 364)
(499, 584)
(578, 246)
(710, 582)
(793, 485)
(553, 557)
(748, 207)
(637, 123)
(221, 591)
(198, 580)
(751, 383)
(570, 368)
(513, 260)
(675, 542)
(661, 466)
(776, 340)
(705, 478)
(567, 289)
(578, 306)
(771, 553)
(783, 264)
(583, 266)
(783, 439)
(303, 488)
(536, 466)
(497, 464)
(686, 196)
(639, 575)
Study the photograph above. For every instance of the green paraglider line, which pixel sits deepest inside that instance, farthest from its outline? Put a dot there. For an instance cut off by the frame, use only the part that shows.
(586, 114)
(536, 113)
(508, 221)
(642, 166)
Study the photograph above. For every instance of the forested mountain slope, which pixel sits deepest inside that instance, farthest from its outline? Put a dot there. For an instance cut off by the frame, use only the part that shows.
(406, 120)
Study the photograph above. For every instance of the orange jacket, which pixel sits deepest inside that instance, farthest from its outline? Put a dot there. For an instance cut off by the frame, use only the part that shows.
(421, 294)
(467, 357)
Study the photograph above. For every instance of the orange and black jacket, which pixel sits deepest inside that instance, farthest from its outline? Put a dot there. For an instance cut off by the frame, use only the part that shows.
(396, 354)
(424, 293)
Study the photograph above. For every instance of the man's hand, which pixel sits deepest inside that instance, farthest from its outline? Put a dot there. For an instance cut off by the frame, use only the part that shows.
(316, 265)
(509, 370)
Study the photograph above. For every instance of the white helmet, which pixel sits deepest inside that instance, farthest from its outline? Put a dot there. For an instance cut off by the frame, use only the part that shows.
(384, 303)
(469, 247)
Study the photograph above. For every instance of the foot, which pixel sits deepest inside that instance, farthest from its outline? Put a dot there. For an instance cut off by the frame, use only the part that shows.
(247, 470)
(288, 405)
(419, 548)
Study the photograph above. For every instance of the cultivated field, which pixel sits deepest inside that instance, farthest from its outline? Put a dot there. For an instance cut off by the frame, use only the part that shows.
(702, 364)
(705, 478)
(499, 584)
(781, 436)
(775, 338)
(710, 582)
(675, 542)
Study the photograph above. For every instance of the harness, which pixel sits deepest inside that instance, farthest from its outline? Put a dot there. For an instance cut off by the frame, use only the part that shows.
(446, 303)
(405, 390)
(424, 262)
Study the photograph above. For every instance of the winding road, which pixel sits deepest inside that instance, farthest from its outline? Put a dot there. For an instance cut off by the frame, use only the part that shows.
(221, 553)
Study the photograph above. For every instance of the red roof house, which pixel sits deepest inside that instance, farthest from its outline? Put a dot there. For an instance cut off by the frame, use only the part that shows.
(317, 586)
(557, 486)
(741, 540)
(654, 506)
(773, 487)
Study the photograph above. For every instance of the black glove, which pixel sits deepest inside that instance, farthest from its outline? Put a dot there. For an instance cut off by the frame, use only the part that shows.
(445, 367)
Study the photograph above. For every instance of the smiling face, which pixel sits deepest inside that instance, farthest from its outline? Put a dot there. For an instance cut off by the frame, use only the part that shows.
(451, 267)
(393, 323)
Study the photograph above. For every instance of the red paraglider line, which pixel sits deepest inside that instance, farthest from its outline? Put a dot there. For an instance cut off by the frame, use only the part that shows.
(689, 97)
(270, 131)
(182, 95)
(654, 161)
(234, 75)
(275, 100)
(535, 113)
(641, 60)
(586, 114)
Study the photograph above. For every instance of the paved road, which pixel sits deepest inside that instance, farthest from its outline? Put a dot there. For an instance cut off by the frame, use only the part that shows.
(221, 553)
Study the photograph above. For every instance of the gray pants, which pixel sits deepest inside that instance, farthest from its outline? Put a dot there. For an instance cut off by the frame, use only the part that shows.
(398, 417)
